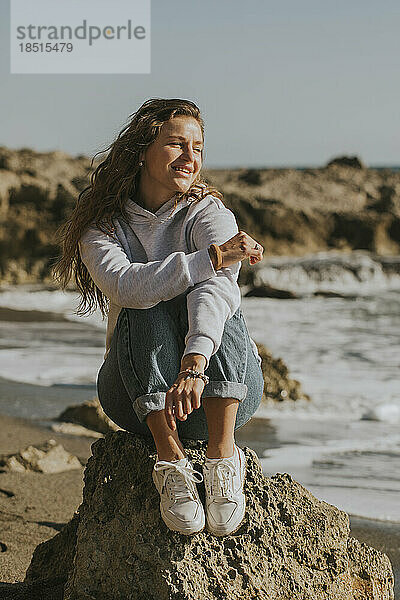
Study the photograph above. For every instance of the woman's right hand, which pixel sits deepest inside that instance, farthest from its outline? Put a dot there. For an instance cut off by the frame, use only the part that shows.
(239, 247)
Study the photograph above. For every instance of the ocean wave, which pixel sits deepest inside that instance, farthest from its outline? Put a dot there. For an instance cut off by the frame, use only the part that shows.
(358, 272)
(385, 412)
(38, 298)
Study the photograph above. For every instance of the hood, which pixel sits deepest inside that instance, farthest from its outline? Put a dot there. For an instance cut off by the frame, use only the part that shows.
(138, 214)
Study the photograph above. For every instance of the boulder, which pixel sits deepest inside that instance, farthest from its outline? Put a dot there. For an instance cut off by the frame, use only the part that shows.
(291, 545)
(267, 291)
(49, 457)
(278, 386)
(90, 415)
(347, 161)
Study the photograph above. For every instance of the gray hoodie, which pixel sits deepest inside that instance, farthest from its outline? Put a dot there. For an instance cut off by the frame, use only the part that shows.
(152, 258)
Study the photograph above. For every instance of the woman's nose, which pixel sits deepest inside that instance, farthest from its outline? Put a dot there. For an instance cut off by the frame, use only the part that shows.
(188, 152)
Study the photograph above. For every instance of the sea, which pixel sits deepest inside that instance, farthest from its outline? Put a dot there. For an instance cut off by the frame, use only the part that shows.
(339, 336)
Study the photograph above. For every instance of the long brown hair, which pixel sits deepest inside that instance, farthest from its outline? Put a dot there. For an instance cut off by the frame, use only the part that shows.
(114, 180)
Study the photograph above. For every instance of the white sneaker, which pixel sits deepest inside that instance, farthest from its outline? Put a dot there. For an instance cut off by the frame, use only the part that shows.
(180, 505)
(225, 500)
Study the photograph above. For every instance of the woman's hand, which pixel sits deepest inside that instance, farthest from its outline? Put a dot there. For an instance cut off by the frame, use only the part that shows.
(184, 395)
(182, 398)
(239, 247)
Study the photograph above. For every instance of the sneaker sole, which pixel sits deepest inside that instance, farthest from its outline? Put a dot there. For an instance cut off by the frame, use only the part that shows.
(219, 534)
(172, 526)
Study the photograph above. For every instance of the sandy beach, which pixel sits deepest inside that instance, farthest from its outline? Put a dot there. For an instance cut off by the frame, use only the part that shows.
(35, 506)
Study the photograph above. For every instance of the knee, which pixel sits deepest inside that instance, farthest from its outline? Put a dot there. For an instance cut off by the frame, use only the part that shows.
(151, 326)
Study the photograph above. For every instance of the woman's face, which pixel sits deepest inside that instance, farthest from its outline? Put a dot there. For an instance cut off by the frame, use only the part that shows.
(173, 161)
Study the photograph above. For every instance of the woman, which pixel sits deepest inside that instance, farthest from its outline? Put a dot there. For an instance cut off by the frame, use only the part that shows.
(152, 238)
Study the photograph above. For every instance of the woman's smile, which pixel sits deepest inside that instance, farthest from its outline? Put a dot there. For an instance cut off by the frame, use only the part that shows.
(183, 171)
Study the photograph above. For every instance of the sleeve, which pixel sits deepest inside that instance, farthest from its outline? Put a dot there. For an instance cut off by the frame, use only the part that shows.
(140, 285)
(212, 302)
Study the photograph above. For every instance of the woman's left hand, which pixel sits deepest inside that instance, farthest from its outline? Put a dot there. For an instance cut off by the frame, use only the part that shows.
(182, 398)
(184, 395)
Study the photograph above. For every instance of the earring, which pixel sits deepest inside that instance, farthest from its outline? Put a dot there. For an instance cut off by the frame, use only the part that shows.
(141, 163)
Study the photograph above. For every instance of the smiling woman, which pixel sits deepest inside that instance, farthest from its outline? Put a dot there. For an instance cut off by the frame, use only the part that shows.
(150, 237)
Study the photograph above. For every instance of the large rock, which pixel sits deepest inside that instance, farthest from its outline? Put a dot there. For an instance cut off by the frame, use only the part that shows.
(90, 415)
(38, 190)
(267, 291)
(291, 545)
(347, 161)
(278, 385)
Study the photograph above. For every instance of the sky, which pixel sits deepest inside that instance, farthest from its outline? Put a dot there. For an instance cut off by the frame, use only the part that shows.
(288, 83)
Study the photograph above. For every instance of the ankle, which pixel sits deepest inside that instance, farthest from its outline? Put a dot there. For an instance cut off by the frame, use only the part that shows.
(225, 450)
(169, 454)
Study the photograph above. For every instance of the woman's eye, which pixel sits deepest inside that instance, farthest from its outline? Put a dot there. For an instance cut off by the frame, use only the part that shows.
(182, 144)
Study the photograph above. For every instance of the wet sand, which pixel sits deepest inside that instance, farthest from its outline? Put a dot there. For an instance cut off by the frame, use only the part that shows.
(35, 506)
(29, 316)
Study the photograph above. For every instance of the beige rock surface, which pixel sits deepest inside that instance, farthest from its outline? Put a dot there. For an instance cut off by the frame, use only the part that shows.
(74, 429)
(48, 457)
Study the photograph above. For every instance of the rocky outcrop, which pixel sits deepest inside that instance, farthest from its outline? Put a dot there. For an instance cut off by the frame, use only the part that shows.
(291, 545)
(325, 273)
(347, 161)
(49, 457)
(278, 385)
(89, 414)
(267, 291)
(37, 192)
(342, 206)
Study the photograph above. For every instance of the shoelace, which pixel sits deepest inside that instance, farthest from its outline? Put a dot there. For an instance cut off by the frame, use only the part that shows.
(182, 479)
(221, 479)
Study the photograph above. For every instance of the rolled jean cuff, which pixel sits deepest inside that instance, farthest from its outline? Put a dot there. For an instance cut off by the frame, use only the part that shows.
(225, 389)
(143, 405)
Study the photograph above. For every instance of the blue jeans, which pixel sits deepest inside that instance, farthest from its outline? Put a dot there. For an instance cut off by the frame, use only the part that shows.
(144, 361)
